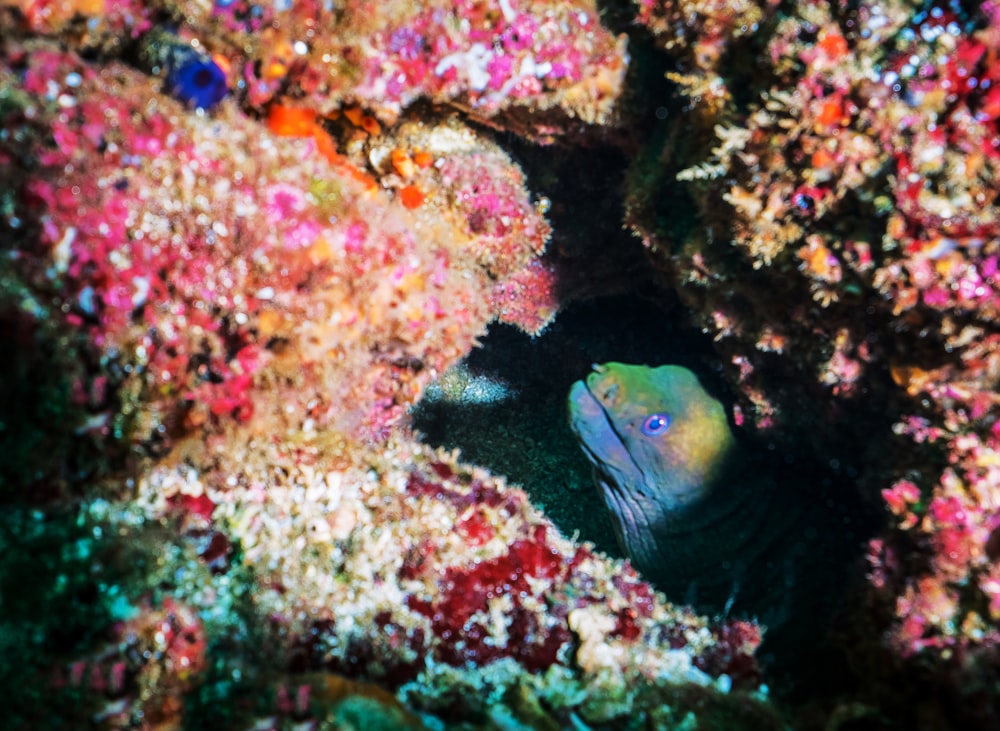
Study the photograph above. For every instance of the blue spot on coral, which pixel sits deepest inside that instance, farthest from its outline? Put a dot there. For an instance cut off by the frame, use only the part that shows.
(198, 81)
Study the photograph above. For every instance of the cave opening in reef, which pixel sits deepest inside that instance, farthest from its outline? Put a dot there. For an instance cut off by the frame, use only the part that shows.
(504, 407)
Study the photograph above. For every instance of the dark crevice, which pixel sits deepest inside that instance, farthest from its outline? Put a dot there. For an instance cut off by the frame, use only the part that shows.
(506, 411)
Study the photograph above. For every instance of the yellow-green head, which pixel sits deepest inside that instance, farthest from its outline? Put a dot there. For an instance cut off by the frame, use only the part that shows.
(699, 517)
(655, 431)
(660, 448)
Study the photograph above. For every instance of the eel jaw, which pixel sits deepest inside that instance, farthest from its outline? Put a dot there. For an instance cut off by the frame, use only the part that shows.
(621, 481)
(601, 441)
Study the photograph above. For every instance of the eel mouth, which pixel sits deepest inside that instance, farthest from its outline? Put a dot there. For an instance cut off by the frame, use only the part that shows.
(591, 424)
(613, 463)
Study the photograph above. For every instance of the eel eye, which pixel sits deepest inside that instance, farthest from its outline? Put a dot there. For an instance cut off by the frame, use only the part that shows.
(655, 424)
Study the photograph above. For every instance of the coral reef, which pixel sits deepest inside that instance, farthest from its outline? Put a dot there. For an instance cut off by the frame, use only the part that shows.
(540, 67)
(238, 249)
(413, 569)
(203, 255)
(856, 182)
(239, 241)
(259, 585)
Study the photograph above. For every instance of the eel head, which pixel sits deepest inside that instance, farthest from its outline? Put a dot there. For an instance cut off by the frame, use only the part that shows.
(657, 441)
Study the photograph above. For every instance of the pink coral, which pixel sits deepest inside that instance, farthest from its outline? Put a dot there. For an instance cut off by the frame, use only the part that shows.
(938, 605)
(528, 298)
(856, 180)
(496, 62)
(195, 269)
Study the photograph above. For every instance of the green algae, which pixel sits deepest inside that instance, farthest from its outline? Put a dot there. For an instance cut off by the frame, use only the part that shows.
(50, 609)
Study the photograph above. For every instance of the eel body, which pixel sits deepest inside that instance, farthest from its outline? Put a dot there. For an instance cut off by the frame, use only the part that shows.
(689, 509)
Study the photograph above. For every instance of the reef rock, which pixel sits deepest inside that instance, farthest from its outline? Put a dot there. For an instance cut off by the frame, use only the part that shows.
(844, 259)
(234, 253)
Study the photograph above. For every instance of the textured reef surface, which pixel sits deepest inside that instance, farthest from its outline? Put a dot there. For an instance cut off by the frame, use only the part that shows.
(234, 255)
(843, 162)
(240, 241)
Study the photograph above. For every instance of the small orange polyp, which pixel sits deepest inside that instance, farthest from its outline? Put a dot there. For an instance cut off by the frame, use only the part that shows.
(359, 175)
(822, 159)
(89, 8)
(353, 115)
(830, 113)
(274, 71)
(834, 45)
(423, 159)
(270, 323)
(411, 196)
(325, 145)
(297, 122)
(291, 121)
(222, 62)
(320, 250)
(402, 163)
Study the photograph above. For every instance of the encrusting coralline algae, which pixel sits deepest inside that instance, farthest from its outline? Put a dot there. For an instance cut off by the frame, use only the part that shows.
(240, 240)
(238, 256)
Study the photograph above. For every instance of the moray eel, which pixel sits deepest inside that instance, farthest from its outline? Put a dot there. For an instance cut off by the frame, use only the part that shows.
(690, 510)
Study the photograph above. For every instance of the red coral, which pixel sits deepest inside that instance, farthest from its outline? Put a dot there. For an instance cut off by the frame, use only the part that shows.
(461, 616)
(733, 653)
(472, 494)
(475, 528)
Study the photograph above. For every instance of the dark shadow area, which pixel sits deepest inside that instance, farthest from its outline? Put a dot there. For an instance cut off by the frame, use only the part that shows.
(518, 427)
(506, 410)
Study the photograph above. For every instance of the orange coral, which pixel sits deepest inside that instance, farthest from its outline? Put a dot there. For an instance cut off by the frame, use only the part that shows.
(298, 122)
(403, 163)
(833, 45)
(291, 121)
(830, 113)
(370, 125)
(411, 196)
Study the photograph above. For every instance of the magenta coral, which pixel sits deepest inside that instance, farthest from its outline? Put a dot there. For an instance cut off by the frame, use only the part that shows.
(494, 212)
(953, 601)
(194, 266)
